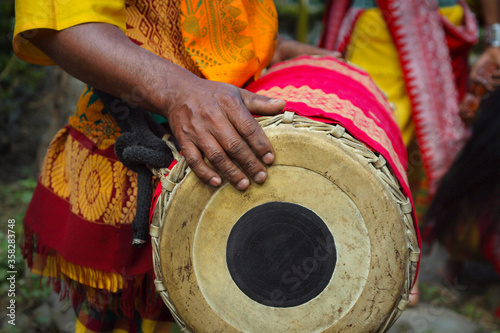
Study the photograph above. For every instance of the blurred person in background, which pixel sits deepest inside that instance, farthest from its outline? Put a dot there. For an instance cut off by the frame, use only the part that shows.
(418, 53)
(464, 215)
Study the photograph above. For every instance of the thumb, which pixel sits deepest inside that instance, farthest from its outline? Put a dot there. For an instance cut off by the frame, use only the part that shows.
(261, 105)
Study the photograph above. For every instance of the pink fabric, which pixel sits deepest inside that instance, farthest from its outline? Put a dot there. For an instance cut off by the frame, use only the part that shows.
(331, 91)
(418, 32)
(433, 54)
(157, 193)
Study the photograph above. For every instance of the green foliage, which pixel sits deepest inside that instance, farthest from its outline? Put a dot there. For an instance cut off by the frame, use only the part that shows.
(6, 28)
(300, 20)
(30, 289)
(12, 329)
(19, 81)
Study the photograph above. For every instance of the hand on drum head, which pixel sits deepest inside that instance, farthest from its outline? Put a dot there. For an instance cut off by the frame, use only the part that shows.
(289, 49)
(215, 120)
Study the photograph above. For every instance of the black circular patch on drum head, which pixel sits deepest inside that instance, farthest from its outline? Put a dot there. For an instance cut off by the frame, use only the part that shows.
(281, 254)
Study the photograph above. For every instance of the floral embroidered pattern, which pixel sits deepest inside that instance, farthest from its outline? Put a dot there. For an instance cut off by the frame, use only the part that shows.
(156, 26)
(94, 121)
(98, 188)
(335, 65)
(229, 40)
(94, 187)
(122, 206)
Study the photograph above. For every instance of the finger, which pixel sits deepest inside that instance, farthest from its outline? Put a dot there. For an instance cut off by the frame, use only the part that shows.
(261, 105)
(306, 49)
(218, 156)
(325, 52)
(254, 135)
(238, 148)
(195, 161)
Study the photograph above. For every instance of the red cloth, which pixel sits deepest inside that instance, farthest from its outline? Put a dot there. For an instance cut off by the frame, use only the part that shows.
(58, 228)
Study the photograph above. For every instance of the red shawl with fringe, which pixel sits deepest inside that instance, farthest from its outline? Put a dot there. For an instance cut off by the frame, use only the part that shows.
(433, 54)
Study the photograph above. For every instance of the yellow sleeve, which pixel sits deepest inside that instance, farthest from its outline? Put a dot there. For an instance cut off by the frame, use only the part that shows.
(59, 15)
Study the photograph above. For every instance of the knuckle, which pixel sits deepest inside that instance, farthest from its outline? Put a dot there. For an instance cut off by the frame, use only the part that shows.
(185, 130)
(231, 173)
(228, 101)
(193, 161)
(235, 147)
(251, 166)
(216, 157)
(206, 112)
(249, 128)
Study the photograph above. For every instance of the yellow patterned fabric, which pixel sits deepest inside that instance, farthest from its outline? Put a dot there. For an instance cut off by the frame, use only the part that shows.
(55, 266)
(371, 47)
(97, 186)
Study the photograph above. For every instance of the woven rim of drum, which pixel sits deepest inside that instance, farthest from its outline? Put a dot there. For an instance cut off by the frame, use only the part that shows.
(170, 178)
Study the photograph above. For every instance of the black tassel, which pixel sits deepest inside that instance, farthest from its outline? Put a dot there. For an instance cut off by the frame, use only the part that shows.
(139, 146)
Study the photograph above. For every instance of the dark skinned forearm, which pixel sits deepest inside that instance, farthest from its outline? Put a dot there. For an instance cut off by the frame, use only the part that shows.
(208, 118)
(102, 56)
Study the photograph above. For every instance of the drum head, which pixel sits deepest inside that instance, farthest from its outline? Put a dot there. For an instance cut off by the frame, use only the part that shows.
(320, 247)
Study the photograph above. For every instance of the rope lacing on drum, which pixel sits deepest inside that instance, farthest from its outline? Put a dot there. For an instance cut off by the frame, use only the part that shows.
(169, 179)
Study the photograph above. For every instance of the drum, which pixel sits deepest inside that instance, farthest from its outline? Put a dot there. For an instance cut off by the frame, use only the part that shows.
(327, 244)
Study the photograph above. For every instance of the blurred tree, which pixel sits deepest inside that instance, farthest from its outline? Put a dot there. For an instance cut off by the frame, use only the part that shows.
(300, 19)
(35, 101)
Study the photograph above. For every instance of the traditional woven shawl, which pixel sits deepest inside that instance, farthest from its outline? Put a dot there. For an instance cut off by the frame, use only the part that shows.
(433, 55)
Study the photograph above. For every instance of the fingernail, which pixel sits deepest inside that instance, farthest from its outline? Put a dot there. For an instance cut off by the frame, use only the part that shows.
(215, 181)
(276, 101)
(260, 177)
(242, 184)
(268, 158)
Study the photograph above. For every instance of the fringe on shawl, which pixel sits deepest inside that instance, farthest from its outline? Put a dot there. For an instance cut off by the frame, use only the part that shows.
(102, 290)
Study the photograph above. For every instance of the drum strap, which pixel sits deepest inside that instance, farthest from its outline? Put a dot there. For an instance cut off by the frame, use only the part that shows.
(138, 148)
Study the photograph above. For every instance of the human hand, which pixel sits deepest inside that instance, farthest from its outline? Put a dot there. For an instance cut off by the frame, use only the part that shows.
(206, 117)
(484, 78)
(486, 71)
(289, 49)
(215, 120)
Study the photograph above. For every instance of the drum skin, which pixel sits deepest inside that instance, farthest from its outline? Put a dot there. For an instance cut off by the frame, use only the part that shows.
(364, 258)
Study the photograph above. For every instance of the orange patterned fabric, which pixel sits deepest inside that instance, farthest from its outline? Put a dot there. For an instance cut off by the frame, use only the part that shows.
(230, 40)
(156, 26)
